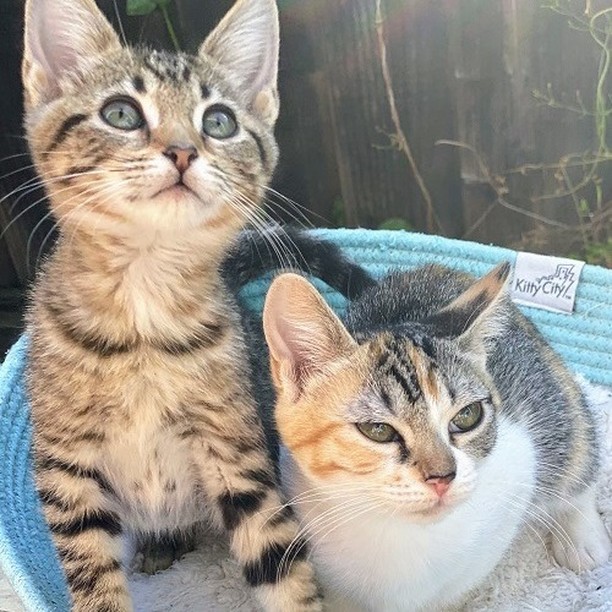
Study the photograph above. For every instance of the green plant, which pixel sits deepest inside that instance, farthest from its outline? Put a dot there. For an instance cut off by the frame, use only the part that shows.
(338, 213)
(586, 191)
(396, 223)
(146, 7)
(578, 175)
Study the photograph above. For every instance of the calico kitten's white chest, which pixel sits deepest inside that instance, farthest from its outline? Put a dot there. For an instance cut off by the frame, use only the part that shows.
(386, 564)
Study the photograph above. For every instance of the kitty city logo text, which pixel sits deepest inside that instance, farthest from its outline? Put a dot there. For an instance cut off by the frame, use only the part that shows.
(558, 285)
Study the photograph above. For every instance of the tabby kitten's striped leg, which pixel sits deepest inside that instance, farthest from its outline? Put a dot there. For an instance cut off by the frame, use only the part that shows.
(87, 534)
(264, 534)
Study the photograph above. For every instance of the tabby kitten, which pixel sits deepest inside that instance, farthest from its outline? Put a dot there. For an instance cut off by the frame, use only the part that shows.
(423, 433)
(142, 403)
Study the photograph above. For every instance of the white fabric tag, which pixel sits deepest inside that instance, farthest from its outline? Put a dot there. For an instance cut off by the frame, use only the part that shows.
(546, 282)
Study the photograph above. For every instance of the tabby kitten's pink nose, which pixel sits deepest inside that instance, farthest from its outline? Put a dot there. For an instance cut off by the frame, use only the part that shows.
(181, 156)
(441, 484)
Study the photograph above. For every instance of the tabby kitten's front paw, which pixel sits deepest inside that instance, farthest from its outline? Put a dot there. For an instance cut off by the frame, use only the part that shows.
(156, 554)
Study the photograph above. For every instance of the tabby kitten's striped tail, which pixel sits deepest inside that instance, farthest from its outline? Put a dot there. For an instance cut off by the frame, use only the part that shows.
(289, 248)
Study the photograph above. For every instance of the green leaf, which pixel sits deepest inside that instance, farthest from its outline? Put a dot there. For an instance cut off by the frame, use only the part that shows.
(140, 7)
(583, 207)
(396, 223)
(145, 7)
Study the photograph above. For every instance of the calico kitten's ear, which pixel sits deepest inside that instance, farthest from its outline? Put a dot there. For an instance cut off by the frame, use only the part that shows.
(59, 34)
(303, 334)
(478, 314)
(246, 45)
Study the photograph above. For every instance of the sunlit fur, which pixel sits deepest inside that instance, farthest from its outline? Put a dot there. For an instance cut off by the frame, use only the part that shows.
(139, 381)
(412, 353)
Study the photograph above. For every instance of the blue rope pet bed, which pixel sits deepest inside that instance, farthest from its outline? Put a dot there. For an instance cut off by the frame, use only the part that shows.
(27, 556)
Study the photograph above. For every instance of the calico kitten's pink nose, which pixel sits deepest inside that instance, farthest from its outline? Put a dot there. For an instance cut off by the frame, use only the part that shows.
(181, 156)
(441, 484)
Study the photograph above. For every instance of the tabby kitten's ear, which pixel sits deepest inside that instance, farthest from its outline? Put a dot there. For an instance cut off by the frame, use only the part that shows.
(59, 35)
(478, 314)
(303, 334)
(246, 45)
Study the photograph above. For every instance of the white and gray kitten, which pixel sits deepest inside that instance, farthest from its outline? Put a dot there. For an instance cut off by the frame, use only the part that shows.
(423, 433)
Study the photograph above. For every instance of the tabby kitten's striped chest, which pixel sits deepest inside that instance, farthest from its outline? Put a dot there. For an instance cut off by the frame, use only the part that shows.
(137, 415)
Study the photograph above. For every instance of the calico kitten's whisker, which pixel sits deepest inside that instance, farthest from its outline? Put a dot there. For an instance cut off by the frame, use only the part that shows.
(312, 528)
(551, 492)
(554, 470)
(336, 493)
(541, 515)
(319, 536)
(526, 523)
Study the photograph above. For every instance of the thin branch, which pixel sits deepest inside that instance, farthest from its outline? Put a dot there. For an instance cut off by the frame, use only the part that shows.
(402, 141)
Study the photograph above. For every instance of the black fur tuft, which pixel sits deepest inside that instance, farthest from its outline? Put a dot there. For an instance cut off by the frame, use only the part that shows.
(286, 248)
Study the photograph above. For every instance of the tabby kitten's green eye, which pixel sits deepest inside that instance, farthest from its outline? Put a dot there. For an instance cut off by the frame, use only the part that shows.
(467, 418)
(123, 114)
(219, 122)
(378, 432)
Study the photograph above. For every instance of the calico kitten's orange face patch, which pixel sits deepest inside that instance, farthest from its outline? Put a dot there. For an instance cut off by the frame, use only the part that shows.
(321, 431)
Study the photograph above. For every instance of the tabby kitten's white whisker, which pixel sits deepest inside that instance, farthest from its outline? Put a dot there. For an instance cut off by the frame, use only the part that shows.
(16, 171)
(54, 226)
(288, 256)
(258, 219)
(34, 204)
(299, 217)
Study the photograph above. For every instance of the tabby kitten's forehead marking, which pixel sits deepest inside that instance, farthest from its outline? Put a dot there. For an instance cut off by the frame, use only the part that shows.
(139, 84)
(166, 66)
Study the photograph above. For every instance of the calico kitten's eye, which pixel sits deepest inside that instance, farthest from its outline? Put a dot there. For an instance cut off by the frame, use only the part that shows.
(219, 122)
(123, 114)
(378, 432)
(467, 418)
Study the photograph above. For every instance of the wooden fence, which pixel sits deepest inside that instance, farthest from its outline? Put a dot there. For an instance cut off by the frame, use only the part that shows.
(462, 71)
